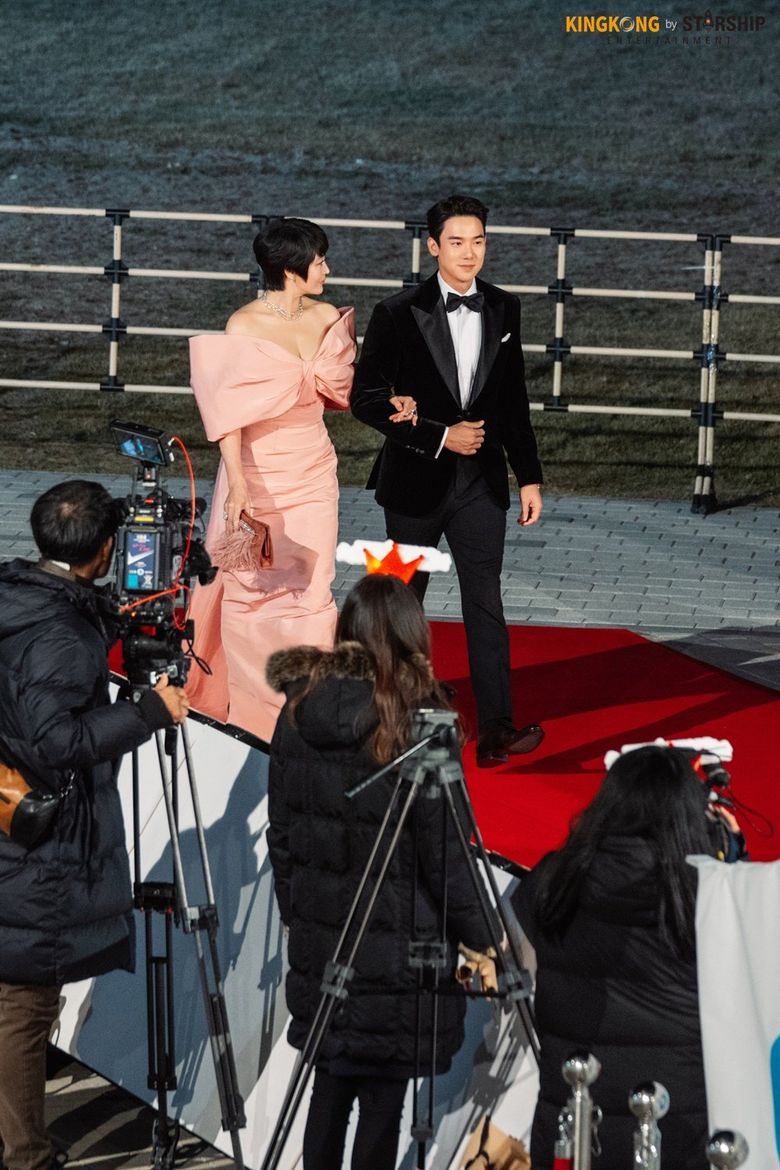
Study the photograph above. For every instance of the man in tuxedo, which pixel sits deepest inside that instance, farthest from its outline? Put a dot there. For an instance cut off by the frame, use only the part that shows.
(452, 345)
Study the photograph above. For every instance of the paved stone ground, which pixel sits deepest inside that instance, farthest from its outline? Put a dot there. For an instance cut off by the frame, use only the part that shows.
(708, 586)
(103, 1128)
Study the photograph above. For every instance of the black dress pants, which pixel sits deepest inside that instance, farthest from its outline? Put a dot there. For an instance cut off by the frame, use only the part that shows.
(380, 1103)
(474, 524)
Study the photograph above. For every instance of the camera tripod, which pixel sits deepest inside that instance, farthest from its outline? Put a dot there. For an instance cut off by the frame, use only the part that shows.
(170, 899)
(431, 769)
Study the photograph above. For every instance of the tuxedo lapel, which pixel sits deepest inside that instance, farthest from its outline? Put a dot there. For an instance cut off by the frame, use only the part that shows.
(492, 328)
(431, 318)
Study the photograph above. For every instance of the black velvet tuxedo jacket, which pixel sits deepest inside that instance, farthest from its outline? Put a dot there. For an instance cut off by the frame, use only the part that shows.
(408, 350)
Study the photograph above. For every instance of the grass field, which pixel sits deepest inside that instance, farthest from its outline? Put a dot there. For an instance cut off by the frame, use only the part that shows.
(367, 110)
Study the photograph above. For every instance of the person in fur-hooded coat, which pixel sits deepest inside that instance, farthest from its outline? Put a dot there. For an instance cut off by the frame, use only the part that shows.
(347, 713)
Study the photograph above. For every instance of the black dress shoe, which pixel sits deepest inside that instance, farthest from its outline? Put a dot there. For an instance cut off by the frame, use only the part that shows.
(495, 746)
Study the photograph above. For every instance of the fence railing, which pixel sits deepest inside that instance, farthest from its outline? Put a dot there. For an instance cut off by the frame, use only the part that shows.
(706, 353)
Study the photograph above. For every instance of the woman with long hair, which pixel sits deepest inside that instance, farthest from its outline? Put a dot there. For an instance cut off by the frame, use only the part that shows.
(262, 387)
(348, 712)
(611, 917)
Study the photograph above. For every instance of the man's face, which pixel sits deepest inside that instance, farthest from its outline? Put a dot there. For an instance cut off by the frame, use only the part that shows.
(460, 250)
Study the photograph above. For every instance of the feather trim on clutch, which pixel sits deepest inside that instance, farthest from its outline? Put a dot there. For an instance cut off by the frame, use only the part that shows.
(247, 549)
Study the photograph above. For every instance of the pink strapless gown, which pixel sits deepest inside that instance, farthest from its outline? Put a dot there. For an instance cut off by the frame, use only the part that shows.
(277, 400)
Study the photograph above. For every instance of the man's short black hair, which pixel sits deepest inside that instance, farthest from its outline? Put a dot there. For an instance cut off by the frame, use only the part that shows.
(454, 205)
(72, 521)
(288, 245)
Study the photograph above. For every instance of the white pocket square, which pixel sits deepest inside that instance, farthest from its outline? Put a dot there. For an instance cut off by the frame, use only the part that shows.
(505, 338)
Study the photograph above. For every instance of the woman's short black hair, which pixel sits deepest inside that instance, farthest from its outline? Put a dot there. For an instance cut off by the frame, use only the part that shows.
(73, 520)
(288, 245)
(454, 205)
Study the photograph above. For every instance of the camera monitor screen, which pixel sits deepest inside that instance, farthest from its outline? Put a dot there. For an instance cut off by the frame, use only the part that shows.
(147, 444)
(140, 561)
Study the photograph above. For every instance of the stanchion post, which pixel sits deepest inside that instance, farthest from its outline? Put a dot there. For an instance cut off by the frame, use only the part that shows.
(115, 328)
(648, 1102)
(416, 227)
(727, 1149)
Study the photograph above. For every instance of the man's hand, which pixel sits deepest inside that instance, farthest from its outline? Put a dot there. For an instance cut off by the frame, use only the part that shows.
(175, 699)
(465, 438)
(530, 505)
(405, 408)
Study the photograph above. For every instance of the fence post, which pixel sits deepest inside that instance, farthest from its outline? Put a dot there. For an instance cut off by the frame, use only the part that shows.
(560, 289)
(706, 413)
(416, 227)
(114, 328)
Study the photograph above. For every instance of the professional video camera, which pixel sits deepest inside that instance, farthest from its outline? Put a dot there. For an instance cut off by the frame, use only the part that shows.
(707, 757)
(159, 550)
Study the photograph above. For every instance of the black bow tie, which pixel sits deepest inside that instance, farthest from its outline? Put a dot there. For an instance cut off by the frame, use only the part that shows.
(474, 302)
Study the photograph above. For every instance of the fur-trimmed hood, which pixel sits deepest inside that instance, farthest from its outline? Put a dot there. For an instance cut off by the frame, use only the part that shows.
(340, 710)
(347, 660)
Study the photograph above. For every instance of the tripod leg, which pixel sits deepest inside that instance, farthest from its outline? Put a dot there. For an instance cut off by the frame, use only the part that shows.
(231, 1102)
(162, 1060)
(171, 811)
(160, 1034)
(201, 835)
(515, 974)
(337, 974)
(172, 899)
(428, 958)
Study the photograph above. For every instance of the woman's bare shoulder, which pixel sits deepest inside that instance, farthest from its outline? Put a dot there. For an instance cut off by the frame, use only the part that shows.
(244, 320)
(321, 310)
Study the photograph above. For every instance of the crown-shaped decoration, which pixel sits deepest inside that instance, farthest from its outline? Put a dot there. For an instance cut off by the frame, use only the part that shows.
(396, 560)
(392, 565)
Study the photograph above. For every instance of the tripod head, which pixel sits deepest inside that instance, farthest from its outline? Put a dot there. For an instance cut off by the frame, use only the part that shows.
(437, 750)
(436, 726)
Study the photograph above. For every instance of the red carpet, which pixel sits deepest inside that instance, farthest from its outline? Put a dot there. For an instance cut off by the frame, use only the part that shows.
(593, 690)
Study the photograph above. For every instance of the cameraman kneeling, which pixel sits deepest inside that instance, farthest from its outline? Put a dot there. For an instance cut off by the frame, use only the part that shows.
(66, 906)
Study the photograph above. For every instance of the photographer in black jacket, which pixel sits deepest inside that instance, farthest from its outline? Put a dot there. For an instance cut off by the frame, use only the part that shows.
(611, 916)
(65, 905)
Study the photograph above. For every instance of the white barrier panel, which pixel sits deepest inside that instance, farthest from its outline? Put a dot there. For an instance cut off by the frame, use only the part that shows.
(738, 944)
(103, 1021)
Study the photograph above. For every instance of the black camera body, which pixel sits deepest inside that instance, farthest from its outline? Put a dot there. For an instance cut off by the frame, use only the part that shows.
(159, 551)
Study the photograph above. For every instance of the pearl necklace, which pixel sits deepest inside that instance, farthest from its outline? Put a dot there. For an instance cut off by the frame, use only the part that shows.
(280, 312)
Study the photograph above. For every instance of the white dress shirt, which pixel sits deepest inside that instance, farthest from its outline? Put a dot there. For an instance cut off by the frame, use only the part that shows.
(466, 331)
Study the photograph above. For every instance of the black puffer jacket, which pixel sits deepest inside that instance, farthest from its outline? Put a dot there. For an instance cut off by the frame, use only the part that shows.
(65, 906)
(319, 843)
(611, 986)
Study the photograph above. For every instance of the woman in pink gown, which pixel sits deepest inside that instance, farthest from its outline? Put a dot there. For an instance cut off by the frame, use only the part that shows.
(261, 388)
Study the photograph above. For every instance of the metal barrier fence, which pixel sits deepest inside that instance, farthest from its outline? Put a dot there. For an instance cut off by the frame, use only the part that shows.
(708, 356)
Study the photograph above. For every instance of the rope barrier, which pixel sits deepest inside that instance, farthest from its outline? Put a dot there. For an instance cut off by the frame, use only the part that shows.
(711, 297)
